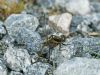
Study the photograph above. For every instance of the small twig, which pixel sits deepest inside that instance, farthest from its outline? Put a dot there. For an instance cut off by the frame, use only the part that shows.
(94, 33)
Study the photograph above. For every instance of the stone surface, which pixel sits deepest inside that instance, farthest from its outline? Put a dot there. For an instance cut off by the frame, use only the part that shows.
(60, 2)
(94, 0)
(2, 30)
(17, 59)
(3, 68)
(79, 66)
(45, 3)
(65, 52)
(37, 69)
(21, 27)
(46, 30)
(15, 73)
(10, 1)
(81, 7)
(34, 57)
(95, 6)
(82, 48)
(34, 10)
(28, 39)
(3, 47)
(91, 23)
(60, 23)
(76, 47)
(76, 20)
(16, 21)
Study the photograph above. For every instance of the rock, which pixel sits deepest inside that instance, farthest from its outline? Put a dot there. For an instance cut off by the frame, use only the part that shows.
(60, 3)
(46, 30)
(16, 21)
(3, 47)
(37, 69)
(81, 7)
(59, 55)
(21, 27)
(91, 23)
(34, 10)
(34, 58)
(79, 66)
(94, 0)
(63, 52)
(45, 3)
(76, 20)
(17, 59)
(30, 40)
(15, 73)
(95, 6)
(76, 47)
(3, 68)
(80, 48)
(43, 19)
(85, 26)
(2, 30)
(61, 23)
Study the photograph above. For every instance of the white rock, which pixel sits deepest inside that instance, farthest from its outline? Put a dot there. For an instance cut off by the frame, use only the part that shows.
(79, 66)
(60, 23)
(17, 59)
(81, 7)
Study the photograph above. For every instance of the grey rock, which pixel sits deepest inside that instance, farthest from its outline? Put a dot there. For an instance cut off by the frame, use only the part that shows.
(76, 47)
(95, 6)
(76, 20)
(15, 73)
(85, 26)
(90, 23)
(79, 66)
(60, 2)
(34, 10)
(2, 30)
(43, 19)
(30, 40)
(94, 0)
(3, 68)
(21, 28)
(44, 31)
(16, 21)
(84, 48)
(3, 47)
(37, 69)
(34, 57)
(9, 40)
(17, 59)
(60, 54)
(45, 3)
